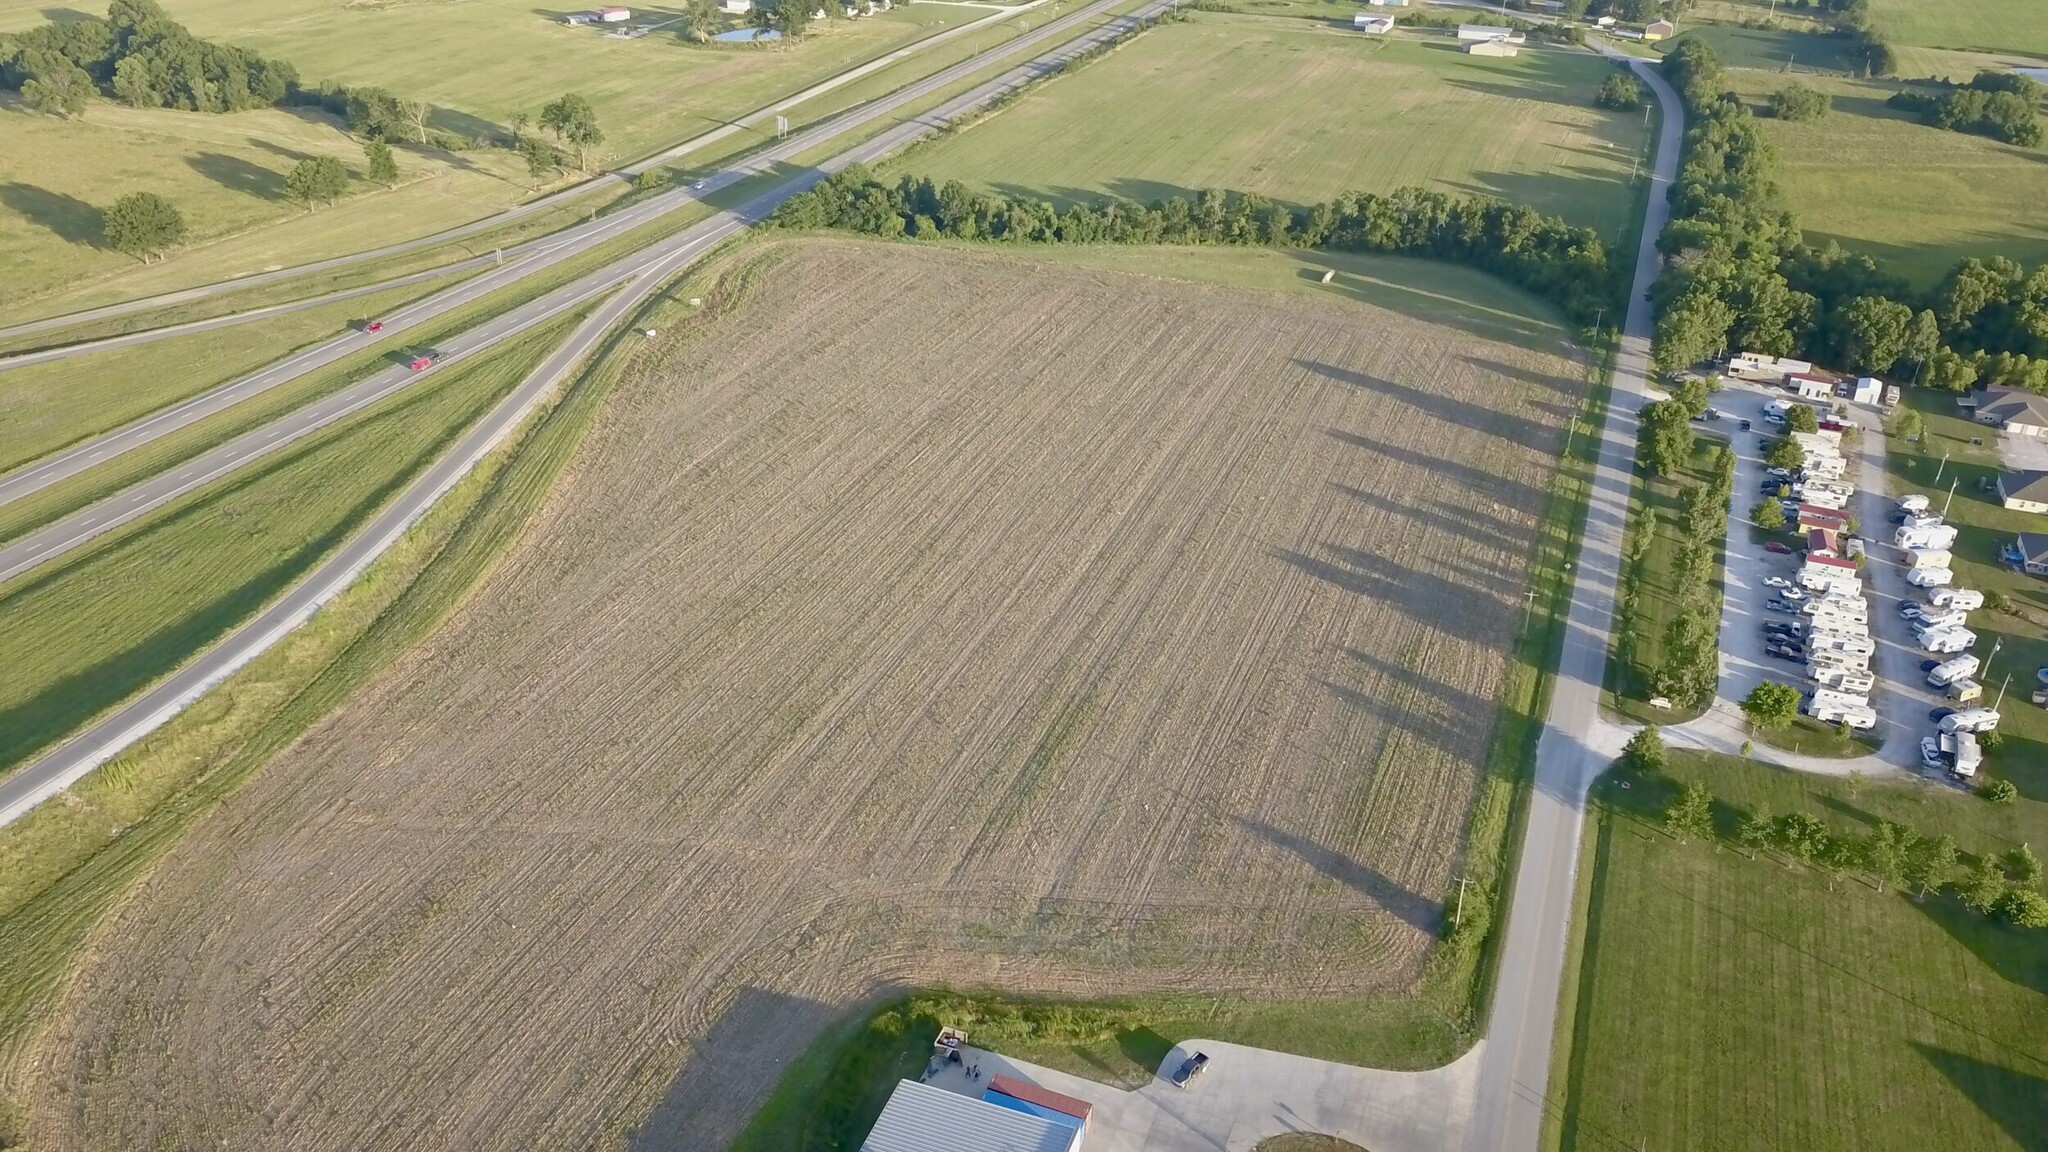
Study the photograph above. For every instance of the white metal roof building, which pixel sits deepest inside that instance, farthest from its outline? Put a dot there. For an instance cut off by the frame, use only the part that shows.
(921, 1118)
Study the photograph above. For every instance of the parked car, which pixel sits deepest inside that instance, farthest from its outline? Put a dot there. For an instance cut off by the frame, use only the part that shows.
(1776, 582)
(1778, 546)
(1783, 628)
(1745, 425)
(1189, 1069)
(1785, 652)
(1793, 594)
(1781, 606)
(1930, 753)
(1782, 474)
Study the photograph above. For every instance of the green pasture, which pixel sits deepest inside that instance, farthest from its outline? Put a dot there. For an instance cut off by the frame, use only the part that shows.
(481, 61)
(1974, 25)
(1916, 197)
(226, 174)
(1302, 113)
(1801, 50)
(1751, 1005)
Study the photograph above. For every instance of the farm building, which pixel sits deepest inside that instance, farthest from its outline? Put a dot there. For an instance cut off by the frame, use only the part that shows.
(1810, 386)
(1659, 30)
(1377, 25)
(1388, 3)
(1478, 33)
(575, 18)
(614, 15)
(2024, 491)
(1866, 390)
(735, 7)
(2029, 550)
(1604, 22)
(921, 1118)
(2011, 409)
(1019, 1096)
(1814, 518)
(1492, 48)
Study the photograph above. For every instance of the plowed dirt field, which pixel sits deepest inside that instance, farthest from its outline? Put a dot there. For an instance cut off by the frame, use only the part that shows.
(935, 618)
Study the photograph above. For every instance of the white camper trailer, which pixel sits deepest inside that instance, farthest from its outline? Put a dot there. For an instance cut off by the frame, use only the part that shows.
(1966, 599)
(1949, 671)
(1929, 577)
(1928, 557)
(1949, 640)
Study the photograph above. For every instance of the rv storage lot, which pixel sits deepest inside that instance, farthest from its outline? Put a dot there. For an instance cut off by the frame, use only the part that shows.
(995, 624)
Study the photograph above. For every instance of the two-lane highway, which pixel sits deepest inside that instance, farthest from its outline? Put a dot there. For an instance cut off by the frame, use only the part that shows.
(107, 737)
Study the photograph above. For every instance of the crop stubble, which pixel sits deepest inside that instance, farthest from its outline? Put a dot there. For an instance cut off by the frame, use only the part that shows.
(935, 619)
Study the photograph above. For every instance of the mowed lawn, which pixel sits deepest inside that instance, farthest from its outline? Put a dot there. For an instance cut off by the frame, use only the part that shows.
(1742, 1005)
(1978, 25)
(1917, 197)
(1303, 113)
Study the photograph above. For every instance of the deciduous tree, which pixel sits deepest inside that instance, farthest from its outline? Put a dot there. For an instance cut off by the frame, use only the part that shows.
(1802, 418)
(1877, 330)
(142, 224)
(1803, 836)
(1931, 863)
(1768, 515)
(574, 122)
(1644, 752)
(1691, 813)
(1771, 704)
(316, 179)
(1756, 832)
(383, 167)
(539, 156)
(1885, 854)
(2023, 867)
(1984, 884)
(2022, 908)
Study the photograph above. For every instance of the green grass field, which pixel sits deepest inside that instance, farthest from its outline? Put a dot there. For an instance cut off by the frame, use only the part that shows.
(91, 628)
(1734, 1004)
(1631, 668)
(1302, 113)
(1770, 50)
(484, 60)
(226, 174)
(1974, 25)
(1916, 197)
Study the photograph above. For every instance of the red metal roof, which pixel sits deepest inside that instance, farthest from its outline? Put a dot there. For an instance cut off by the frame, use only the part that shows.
(1831, 562)
(1043, 1097)
(1816, 514)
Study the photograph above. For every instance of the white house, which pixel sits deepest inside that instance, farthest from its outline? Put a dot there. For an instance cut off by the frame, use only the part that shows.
(614, 15)
(1377, 25)
(1491, 48)
(1604, 22)
(1810, 386)
(735, 7)
(2014, 410)
(1388, 3)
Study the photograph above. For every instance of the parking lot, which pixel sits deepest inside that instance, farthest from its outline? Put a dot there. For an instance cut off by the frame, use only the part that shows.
(1901, 697)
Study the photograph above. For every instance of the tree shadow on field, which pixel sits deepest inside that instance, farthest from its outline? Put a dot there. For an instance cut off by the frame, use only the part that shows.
(2013, 953)
(1460, 610)
(1414, 909)
(276, 149)
(68, 218)
(1519, 429)
(238, 175)
(2016, 1101)
(1441, 515)
(730, 1070)
(1500, 489)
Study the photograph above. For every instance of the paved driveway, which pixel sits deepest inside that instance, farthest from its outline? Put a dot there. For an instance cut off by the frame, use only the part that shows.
(1249, 1094)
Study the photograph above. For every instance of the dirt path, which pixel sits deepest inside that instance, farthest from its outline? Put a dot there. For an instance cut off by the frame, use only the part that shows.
(935, 619)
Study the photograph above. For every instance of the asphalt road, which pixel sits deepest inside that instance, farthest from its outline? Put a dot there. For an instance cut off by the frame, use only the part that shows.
(643, 274)
(509, 215)
(1514, 1076)
(54, 539)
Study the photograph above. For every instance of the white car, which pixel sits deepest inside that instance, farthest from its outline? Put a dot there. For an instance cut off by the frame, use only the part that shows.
(1789, 593)
(1930, 753)
(1776, 582)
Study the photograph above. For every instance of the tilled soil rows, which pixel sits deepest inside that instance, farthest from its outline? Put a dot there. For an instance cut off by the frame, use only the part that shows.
(936, 618)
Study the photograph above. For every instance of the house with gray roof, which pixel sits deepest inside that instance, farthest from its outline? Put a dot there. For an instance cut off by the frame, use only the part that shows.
(2013, 409)
(2024, 491)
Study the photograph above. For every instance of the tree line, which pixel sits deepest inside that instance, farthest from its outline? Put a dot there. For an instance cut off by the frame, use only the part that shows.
(2001, 105)
(142, 57)
(1561, 263)
(1739, 276)
(1890, 856)
(1690, 666)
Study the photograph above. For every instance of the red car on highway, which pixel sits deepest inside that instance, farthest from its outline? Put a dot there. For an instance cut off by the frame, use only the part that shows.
(422, 363)
(374, 326)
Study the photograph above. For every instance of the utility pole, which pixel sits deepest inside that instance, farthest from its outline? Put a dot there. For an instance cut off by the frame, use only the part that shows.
(1995, 646)
(1942, 468)
(499, 253)
(2001, 691)
(1951, 496)
(1458, 914)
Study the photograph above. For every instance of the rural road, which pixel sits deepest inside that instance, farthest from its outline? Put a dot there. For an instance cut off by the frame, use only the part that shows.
(107, 737)
(499, 219)
(1514, 1076)
(52, 540)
